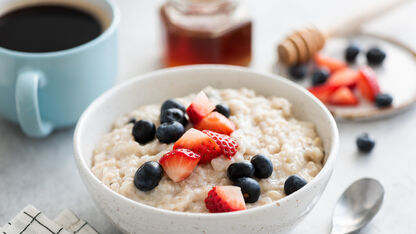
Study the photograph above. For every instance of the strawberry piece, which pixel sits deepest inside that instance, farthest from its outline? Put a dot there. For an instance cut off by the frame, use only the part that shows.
(227, 144)
(199, 108)
(344, 77)
(200, 143)
(343, 97)
(322, 92)
(225, 199)
(216, 122)
(328, 62)
(367, 84)
(179, 164)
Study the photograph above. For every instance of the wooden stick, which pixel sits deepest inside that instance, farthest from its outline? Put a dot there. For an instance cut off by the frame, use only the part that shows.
(353, 23)
(303, 44)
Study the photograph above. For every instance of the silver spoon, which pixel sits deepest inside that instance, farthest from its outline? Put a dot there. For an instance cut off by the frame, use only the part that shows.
(357, 206)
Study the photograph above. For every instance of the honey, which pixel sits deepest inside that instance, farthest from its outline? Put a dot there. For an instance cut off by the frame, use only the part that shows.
(205, 32)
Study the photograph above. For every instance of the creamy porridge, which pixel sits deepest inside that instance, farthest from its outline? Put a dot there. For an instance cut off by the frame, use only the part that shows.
(264, 125)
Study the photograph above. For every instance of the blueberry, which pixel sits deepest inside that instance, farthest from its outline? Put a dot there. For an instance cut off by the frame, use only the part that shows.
(223, 109)
(240, 169)
(365, 143)
(170, 132)
(351, 53)
(147, 177)
(132, 120)
(263, 166)
(173, 114)
(144, 131)
(383, 100)
(375, 56)
(170, 103)
(293, 183)
(250, 189)
(298, 71)
(320, 76)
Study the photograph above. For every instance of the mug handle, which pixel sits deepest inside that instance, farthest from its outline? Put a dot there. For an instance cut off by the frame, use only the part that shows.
(27, 105)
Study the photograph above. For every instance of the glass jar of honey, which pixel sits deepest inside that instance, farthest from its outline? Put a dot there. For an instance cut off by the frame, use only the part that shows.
(206, 32)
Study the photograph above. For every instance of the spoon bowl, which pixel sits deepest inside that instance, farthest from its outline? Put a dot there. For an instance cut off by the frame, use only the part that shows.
(357, 206)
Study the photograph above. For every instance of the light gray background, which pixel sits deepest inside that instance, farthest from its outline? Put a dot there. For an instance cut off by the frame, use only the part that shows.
(42, 171)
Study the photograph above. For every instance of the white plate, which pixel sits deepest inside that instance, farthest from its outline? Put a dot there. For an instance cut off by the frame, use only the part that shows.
(396, 76)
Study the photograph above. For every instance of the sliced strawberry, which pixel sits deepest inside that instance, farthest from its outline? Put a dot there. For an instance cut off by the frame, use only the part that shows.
(199, 108)
(200, 143)
(227, 144)
(344, 77)
(367, 83)
(216, 122)
(343, 97)
(225, 199)
(322, 92)
(328, 62)
(179, 164)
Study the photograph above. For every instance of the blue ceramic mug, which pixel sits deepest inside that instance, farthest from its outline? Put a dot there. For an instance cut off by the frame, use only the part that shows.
(45, 91)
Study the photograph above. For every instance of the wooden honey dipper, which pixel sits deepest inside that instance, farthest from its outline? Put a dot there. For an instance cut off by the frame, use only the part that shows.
(303, 44)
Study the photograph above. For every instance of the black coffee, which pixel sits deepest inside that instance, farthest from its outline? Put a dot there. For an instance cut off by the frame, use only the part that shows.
(47, 28)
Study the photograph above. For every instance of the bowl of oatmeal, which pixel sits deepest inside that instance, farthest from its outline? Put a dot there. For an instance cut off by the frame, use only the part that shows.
(245, 151)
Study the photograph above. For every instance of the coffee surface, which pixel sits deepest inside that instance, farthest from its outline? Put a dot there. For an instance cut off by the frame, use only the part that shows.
(47, 28)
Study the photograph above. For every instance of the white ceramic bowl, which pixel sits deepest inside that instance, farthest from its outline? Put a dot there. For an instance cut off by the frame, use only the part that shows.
(155, 87)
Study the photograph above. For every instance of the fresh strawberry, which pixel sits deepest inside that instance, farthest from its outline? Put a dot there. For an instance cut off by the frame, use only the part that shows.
(343, 97)
(367, 83)
(344, 77)
(179, 164)
(328, 62)
(216, 122)
(200, 143)
(225, 199)
(199, 108)
(227, 144)
(322, 92)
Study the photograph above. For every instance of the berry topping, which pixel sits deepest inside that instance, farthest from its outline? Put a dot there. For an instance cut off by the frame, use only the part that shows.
(216, 122)
(322, 92)
(240, 169)
(383, 100)
(351, 53)
(367, 83)
(143, 131)
(365, 143)
(328, 62)
(343, 97)
(200, 143)
(225, 199)
(132, 121)
(170, 103)
(250, 189)
(169, 132)
(179, 164)
(173, 114)
(147, 177)
(375, 56)
(199, 108)
(227, 144)
(298, 71)
(223, 109)
(344, 77)
(293, 183)
(263, 166)
(320, 76)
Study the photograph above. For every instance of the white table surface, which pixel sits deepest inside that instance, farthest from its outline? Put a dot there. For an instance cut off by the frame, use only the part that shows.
(42, 171)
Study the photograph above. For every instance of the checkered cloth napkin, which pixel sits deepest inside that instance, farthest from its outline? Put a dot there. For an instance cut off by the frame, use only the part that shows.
(32, 221)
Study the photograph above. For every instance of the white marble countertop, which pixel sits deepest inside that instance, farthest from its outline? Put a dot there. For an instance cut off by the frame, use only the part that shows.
(42, 171)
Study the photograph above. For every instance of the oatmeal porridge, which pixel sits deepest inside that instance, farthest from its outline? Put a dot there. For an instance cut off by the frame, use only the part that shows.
(260, 126)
